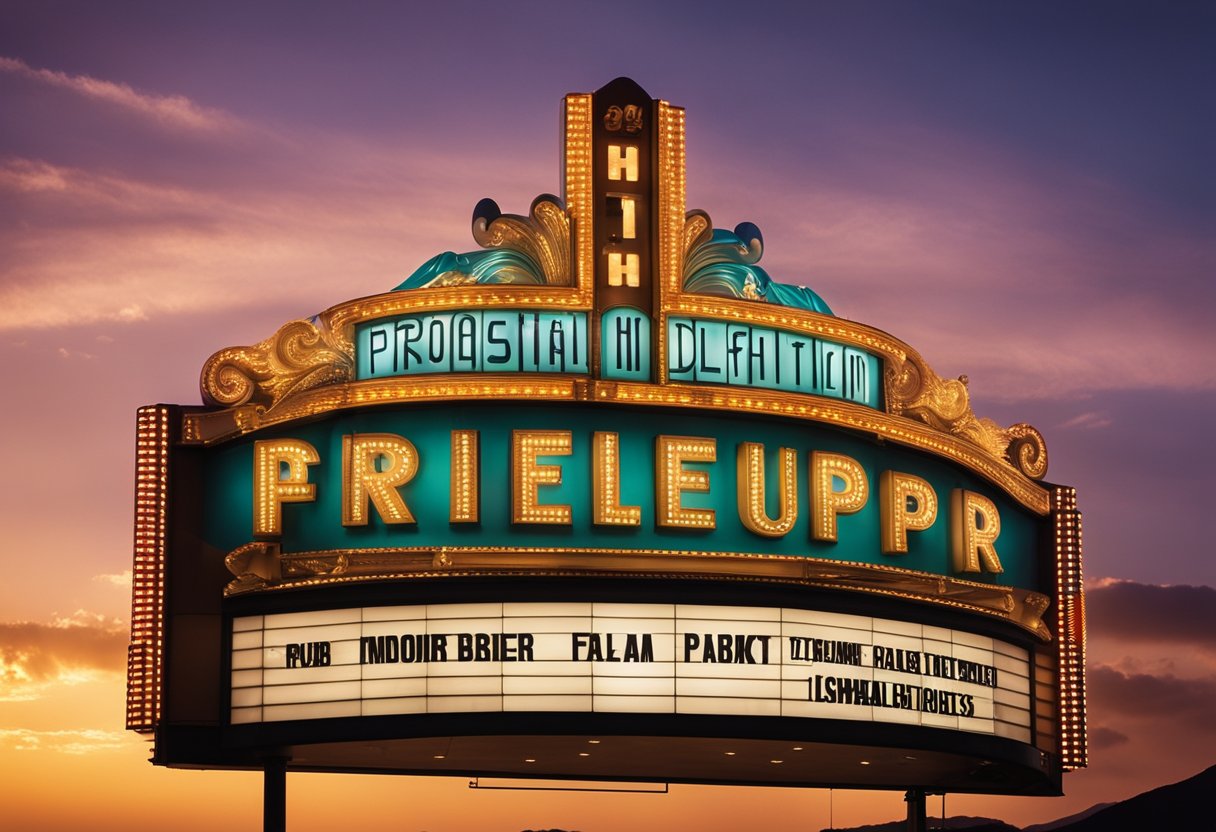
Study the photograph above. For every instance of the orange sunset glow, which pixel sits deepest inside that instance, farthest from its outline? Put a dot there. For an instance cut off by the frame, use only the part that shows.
(1023, 191)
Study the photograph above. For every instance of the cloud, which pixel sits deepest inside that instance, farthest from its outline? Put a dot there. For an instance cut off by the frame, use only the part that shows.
(102, 247)
(1102, 738)
(85, 741)
(175, 111)
(120, 579)
(1136, 612)
(1184, 702)
(1090, 420)
(68, 650)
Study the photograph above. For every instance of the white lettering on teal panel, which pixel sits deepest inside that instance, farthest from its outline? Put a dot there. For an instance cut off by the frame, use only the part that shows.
(472, 342)
(625, 344)
(713, 352)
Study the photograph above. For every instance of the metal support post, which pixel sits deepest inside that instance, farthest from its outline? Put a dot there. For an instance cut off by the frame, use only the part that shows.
(274, 795)
(915, 799)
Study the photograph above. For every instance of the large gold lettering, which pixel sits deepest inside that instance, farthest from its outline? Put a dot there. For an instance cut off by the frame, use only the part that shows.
(271, 489)
(527, 475)
(465, 488)
(895, 492)
(826, 501)
(362, 481)
(751, 487)
(975, 525)
(672, 479)
(606, 483)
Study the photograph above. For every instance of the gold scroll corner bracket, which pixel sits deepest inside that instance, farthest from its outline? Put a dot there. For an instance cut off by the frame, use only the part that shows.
(300, 356)
(255, 566)
(915, 391)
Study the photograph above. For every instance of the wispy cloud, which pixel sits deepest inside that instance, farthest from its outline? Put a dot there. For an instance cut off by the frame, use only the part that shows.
(1134, 612)
(1090, 420)
(175, 111)
(124, 250)
(85, 741)
(1143, 696)
(120, 579)
(68, 650)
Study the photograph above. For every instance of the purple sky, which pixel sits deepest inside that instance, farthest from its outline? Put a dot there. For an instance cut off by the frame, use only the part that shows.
(1022, 191)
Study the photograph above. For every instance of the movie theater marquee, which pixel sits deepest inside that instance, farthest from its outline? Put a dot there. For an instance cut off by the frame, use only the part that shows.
(603, 500)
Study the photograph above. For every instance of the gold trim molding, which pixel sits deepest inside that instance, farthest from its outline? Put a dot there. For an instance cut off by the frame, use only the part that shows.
(261, 567)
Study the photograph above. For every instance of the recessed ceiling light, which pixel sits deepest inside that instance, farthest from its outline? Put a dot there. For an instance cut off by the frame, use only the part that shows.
(530, 760)
(797, 747)
(865, 762)
(730, 753)
(584, 754)
(777, 761)
(439, 756)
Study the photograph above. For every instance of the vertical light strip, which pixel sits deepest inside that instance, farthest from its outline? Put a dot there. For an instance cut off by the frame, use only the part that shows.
(1070, 628)
(671, 187)
(146, 650)
(671, 196)
(577, 186)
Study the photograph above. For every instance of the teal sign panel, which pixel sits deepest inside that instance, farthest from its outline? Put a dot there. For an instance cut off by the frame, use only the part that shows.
(745, 355)
(313, 526)
(506, 341)
(625, 344)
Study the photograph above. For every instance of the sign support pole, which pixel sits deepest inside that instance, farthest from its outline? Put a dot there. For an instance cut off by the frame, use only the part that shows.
(915, 799)
(274, 794)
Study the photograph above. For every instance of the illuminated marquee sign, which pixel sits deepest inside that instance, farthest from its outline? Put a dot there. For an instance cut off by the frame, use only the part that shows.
(625, 658)
(473, 342)
(741, 354)
(604, 480)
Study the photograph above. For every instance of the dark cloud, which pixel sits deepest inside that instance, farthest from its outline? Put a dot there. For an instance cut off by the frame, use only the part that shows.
(1141, 696)
(32, 653)
(1102, 738)
(1143, 612)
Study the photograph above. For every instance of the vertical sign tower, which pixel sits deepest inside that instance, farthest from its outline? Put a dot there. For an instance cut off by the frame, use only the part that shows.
(614, 174)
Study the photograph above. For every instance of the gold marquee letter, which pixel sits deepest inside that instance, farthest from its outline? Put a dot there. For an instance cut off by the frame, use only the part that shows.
(464, 503)
(606, 483)
(527, 475)
(672, 479)
(271, 489)
(361, 480)
(622, 161)
(826, 501)
(895, 490)
(752, 486)
(975, 525)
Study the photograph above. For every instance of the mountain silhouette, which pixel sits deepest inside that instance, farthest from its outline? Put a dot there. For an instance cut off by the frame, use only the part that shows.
(1178, 807)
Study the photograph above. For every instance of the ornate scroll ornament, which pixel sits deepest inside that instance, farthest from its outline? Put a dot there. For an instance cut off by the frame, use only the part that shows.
(915, 391)
(723, 263)
(300, 356)
(533, 250)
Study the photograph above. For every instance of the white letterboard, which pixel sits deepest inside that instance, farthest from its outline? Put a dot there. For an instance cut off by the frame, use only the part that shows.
(625, 658)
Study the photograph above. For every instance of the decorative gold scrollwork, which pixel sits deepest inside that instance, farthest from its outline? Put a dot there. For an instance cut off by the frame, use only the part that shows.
(300, 356)
(543, 236)
(915, 391)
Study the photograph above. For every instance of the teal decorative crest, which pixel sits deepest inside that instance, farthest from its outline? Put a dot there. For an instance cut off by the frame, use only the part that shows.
(723, 263)
(529, 251)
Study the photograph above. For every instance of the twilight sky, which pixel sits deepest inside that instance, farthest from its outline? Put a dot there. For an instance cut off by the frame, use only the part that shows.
(1023, 191)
